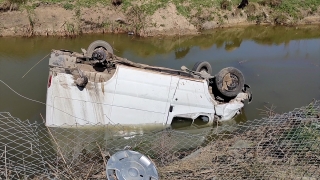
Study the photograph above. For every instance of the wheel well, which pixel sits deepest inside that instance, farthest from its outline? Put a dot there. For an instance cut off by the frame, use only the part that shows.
(181, 122)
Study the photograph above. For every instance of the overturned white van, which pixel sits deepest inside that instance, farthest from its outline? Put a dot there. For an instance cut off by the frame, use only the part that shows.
(97, 87)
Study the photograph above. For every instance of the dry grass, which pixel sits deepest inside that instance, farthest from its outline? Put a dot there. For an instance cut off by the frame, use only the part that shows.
(282, 146)
(262, 153)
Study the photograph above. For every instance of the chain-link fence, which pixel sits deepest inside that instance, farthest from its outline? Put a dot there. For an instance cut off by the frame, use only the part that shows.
(282, 146)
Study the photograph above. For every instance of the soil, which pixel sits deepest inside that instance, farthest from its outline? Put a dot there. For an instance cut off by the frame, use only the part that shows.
(52, 19)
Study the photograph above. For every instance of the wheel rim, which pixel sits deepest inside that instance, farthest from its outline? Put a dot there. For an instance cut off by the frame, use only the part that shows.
(204, 69)
(232, 81)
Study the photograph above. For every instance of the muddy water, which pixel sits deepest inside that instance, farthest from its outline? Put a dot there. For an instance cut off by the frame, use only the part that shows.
(281, 64)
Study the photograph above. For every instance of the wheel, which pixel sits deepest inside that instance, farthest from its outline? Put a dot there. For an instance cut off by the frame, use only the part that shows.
(230, 81)
(202, 66)
(97, 44)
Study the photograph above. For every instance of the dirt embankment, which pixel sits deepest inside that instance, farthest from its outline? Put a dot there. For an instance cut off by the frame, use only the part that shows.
(62, 20)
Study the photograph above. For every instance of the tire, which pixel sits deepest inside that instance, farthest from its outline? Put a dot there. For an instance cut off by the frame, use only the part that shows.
(203, 65)
(230, 81)
(97, 44)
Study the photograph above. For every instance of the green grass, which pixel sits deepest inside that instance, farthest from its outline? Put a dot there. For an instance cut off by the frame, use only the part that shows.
(293, 7)
(153, 5)
(193, 8)
(126, 4)
(151, 8)
(68, 6)
(83, 3)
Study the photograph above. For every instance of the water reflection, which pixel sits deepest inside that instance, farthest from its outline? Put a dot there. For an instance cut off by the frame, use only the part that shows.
(181, 52)
(233, 44)
(228, 38)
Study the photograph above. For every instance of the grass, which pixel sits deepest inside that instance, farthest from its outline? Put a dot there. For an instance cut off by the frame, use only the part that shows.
(151, 6)
(282, 12)
(68, 6)
(292, 7)
(187, 7)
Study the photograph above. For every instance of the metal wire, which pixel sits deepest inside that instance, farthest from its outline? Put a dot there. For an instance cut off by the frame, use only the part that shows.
(280, 146)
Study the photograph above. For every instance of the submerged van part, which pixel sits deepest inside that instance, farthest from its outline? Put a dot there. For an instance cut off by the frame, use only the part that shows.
(98, 87)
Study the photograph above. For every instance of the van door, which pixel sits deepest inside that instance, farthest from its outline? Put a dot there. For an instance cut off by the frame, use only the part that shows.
(190, 99)
(141, 96)
(170, 105)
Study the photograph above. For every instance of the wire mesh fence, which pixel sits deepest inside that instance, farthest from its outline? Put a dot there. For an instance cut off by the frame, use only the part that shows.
(280, 146)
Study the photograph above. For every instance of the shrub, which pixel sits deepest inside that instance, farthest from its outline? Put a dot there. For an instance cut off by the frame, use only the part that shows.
(275, 3)
(225, 4)
(272, 3)
(280, 19)
(68, 6)
(17, 1)
(11, 5)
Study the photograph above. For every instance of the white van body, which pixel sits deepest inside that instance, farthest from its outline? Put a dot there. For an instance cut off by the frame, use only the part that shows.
(128, 96)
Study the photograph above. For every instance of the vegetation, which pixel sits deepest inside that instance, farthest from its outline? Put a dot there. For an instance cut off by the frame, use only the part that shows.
(17, 1)
(283, 9)
(68, 6)
(191, 8)
(185, 6)
(217, 12)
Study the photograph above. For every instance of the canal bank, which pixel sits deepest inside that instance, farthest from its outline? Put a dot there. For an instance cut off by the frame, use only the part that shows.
(148, 18)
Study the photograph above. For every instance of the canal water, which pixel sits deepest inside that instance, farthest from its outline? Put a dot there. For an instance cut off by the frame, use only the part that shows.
(281, 64)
